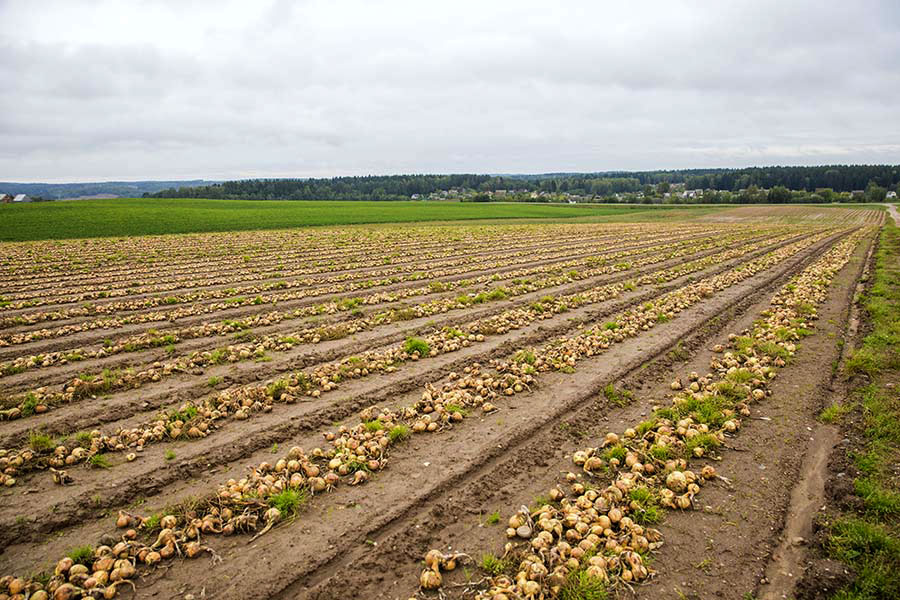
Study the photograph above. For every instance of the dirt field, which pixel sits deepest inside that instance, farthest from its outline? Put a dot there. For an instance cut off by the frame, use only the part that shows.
(560, 411)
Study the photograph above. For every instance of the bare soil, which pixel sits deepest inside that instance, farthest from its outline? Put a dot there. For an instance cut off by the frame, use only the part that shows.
(439, 489)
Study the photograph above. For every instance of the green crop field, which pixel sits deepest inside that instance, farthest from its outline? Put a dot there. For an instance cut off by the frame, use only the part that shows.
(149, 216)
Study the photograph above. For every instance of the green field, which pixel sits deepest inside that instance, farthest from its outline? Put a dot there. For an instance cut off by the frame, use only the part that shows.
(149, 216)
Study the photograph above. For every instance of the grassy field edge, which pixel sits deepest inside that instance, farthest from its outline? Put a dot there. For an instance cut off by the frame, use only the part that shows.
(125, 217)
(866, 535)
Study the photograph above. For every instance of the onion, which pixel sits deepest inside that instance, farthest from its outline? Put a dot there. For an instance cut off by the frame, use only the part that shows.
(433, 559)
(430, 580)
(62, 567)
(676, 481)
(124, 520)
(66, 591)
(17, 585)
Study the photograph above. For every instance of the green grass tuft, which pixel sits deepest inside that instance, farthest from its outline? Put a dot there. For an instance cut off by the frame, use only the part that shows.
(419, 345)
(40, 442)
(82, 555)
(373, 426)
(289, 501)
(398, 433)
(493, 565)
(100, 461)
(581, 586)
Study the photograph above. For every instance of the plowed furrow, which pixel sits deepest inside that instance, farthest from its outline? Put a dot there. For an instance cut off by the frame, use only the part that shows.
(634, 345)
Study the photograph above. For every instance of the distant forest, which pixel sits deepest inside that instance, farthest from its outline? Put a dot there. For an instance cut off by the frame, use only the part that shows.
(833, 178)
(128, 189)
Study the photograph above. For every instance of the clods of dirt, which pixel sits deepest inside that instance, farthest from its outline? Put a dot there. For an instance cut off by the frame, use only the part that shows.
(822, 578)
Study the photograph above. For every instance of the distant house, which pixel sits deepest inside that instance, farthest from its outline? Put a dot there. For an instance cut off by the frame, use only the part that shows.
(892, 195)
(22, 198)
(5, 198)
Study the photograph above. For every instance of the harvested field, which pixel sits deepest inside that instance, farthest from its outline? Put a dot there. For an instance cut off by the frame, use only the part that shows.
(553, 410)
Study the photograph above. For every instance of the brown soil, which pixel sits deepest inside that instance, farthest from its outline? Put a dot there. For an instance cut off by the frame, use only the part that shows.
(231, 444)
(368, 541)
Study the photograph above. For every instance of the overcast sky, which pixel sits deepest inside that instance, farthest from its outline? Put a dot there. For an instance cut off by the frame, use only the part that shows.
(218, 90)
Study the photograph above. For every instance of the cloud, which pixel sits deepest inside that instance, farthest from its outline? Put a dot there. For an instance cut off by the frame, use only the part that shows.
(115, 90)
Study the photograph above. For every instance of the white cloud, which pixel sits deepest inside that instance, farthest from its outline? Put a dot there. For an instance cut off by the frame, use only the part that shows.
(165, 89)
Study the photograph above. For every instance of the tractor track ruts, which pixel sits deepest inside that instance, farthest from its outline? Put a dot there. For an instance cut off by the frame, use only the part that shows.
(567, 250)
(325, 296)
(88, 337)
(328, 410)
(547, 242)
(59, 373)
(147, 399)
(515, 449)
(789, 265)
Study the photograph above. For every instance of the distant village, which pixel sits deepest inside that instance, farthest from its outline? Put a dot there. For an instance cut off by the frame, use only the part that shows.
(667, 193)
(9, 198)
(673, 193)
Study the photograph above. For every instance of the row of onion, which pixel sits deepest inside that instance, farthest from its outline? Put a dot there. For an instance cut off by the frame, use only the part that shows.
(246, 504)
(241, 403)
(596, 523)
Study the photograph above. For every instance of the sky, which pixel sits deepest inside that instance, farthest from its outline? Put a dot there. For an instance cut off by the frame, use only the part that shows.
(135, 89)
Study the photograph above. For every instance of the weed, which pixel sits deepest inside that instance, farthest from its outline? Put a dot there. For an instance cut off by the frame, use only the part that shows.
(289, 501)
(835, 412)
(648, 511)
(100, 461)
(581, 586)
(276, 389)
(82, 555)
(187, 413)
(398, 433)
(416, 345)
(39, 442)
(151, 523)
(524, 356)
(490, 563)
(660, 453)
(541, 500)
(349, 303)
(618, 452)
(679, 352)
(616, 397)
(29, 405)
(706, 441)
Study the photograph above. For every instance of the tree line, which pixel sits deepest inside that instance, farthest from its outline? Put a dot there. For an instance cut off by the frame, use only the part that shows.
(827, 180)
